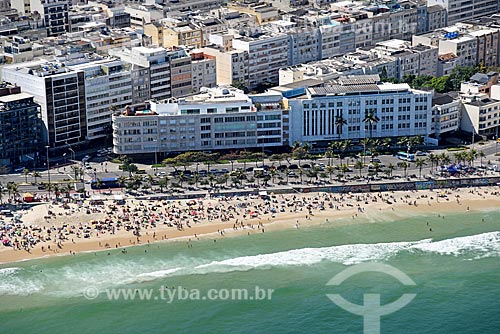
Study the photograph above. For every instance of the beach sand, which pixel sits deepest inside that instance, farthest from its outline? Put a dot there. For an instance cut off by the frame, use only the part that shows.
(229, 217)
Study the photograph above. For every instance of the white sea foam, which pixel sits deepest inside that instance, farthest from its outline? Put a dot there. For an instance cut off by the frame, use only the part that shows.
(8, 271)
(72, 279)
(486, 244)
(156, 274)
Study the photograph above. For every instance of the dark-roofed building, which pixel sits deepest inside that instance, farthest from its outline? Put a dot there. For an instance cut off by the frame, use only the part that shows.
(445, 113)
(20, 128)
(480, 83)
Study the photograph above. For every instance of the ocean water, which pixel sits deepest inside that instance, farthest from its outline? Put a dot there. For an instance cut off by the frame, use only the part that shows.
(456, 270)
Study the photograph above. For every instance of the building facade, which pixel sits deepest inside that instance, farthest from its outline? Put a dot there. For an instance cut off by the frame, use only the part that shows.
(218, 119)
(20, 129)
(401, 111)
(60, 92)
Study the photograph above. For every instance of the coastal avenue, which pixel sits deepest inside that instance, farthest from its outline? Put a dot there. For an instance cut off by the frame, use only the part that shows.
(100, 168)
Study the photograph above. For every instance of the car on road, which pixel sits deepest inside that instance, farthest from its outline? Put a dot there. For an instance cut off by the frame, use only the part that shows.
(292, 174)
(377, 160)
(421, 154)
(293, 166)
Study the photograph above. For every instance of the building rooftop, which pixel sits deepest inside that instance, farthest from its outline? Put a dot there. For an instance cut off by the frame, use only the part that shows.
(14, 97)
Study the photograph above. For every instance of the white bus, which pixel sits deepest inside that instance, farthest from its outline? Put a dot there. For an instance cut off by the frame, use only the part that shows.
(406, 156)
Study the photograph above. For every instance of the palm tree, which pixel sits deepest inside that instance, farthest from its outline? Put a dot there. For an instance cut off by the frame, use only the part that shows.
(371, 118)
(211, 179)
(301, 174)
(122, 180)
(444, 158)
(365, 142)
(57, 189)
(433, 158)
(391, 168)
(11, 189)
(26, 172)
(329, 155)
(98, 183)
(481, 155)
(386, 143)
(163, 183)
(339, 123)
(344, 146)
(404, 165)
(273, 173)
(36, 175)
(330, 170)
(67, 189)
(420, 163)
(458, 157)
(359, 166)
(471, 156)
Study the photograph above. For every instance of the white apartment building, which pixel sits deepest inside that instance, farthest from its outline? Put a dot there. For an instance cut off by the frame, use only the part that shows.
(481, 114)
(217, 119)
(150, 69)
(303, 42)
(53, 13)
(445, 114)
(461, 10)
(231, 65)
(417, 60)
(267, 53)
(108, 87)
(203, 71)
(401, 111)
(60, 92)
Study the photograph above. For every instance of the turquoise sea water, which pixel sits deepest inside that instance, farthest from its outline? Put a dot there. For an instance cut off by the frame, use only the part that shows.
(456, 268)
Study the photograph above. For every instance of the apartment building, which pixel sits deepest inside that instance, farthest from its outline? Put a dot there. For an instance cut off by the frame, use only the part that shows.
(303, 43)
(17, 49)
(411, 60)
(20, 128)
(108, 87)
(150, 71)
(60, 92)
(203, 71)
(461, 10)
(267, 53)
(171, 32)
(181, 77)
(263, 12)
(445, 114)
(231, 65)
(53, 13)
(402, 111)
(481, 113)
(217, 119)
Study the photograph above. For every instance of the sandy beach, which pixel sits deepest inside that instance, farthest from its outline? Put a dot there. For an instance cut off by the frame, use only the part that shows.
(71, 228)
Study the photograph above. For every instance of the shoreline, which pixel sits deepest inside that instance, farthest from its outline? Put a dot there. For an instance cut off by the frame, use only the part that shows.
(341, 209)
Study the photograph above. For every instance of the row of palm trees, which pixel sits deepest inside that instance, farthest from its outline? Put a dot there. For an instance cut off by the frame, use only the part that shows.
(76, 170)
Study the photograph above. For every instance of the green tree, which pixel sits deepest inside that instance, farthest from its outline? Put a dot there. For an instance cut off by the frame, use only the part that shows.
(359, 166)
(26, 172)
(404, 165)
(371, 118)
(36, 175)
(420, 163)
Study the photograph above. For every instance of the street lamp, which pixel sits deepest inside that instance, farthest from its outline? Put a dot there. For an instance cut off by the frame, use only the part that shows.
(72, 153)
(48, 166)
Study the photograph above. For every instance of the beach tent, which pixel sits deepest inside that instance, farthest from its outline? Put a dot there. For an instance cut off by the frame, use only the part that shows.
(27, 197)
